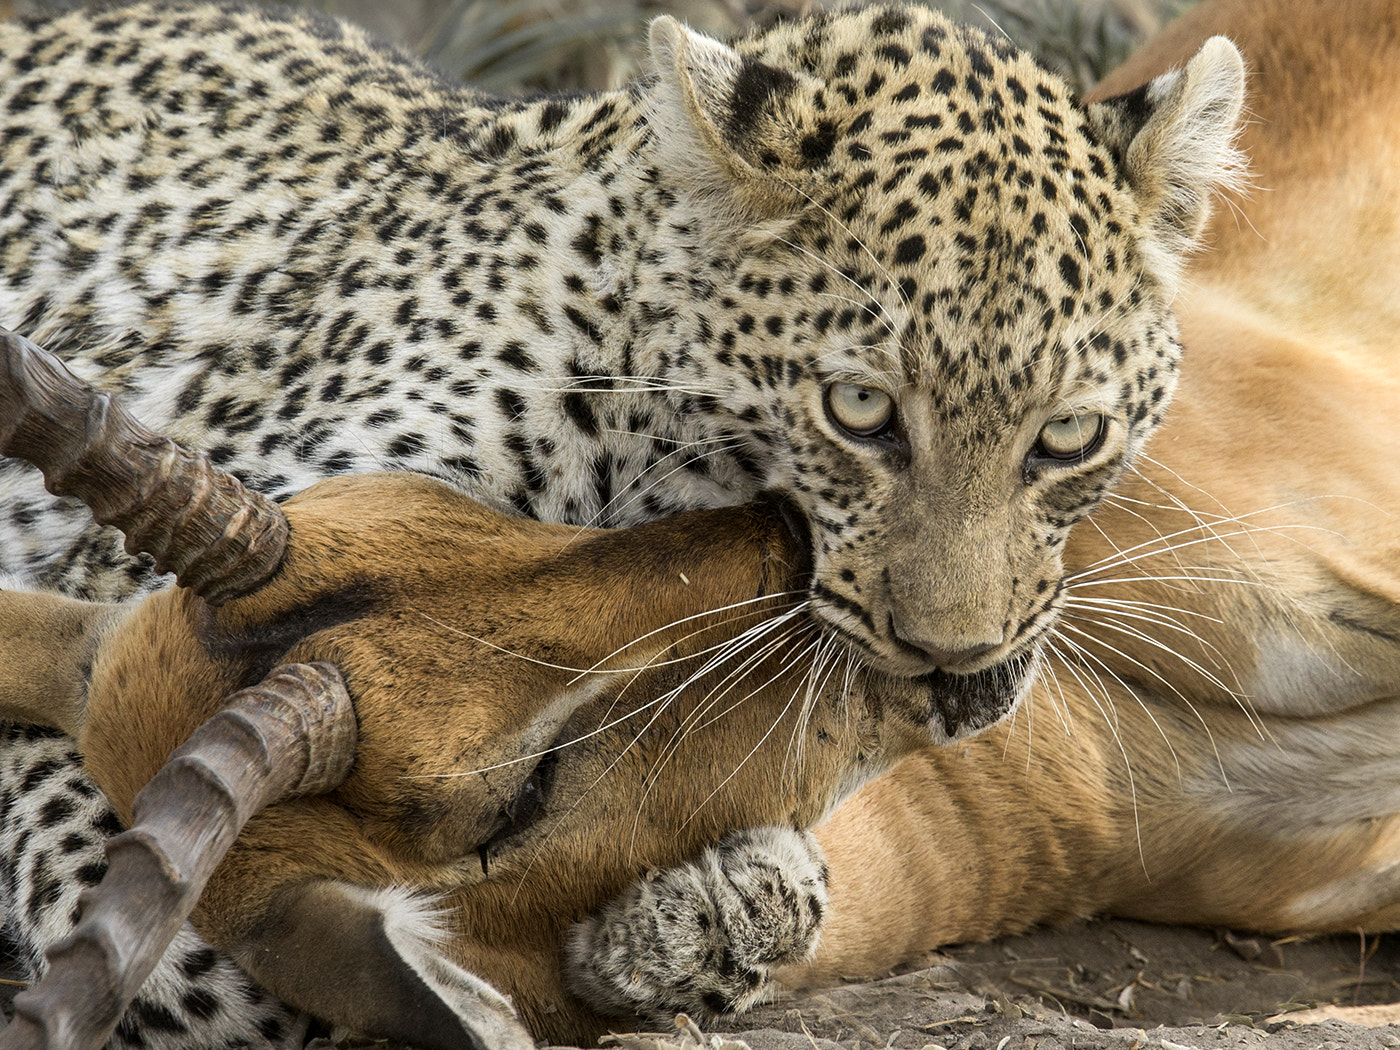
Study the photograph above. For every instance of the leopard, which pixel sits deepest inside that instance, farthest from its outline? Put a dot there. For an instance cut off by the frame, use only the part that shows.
(884, 268)
(878, 265)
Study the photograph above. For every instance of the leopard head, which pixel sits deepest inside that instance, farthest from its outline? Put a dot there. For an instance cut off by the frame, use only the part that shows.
(935, 308)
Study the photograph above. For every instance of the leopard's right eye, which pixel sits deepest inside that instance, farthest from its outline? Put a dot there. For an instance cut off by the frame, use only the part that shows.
(861, 411)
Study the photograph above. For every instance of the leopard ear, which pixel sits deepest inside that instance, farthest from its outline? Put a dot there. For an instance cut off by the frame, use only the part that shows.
(1174, 138)
(735, 131)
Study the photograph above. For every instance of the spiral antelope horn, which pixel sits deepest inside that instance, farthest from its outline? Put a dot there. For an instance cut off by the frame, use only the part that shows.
(219, 539)
(292, 734)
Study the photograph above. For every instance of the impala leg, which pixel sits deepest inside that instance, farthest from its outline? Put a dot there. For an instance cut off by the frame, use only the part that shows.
(292, 734)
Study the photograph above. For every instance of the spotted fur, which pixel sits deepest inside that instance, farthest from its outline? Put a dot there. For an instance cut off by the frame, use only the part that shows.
(308, 254)
(53, 823)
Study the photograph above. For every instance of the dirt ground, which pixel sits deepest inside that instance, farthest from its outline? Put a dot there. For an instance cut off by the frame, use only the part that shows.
(1114, 985)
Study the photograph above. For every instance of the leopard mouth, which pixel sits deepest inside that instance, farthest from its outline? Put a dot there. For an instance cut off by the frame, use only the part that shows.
(965, 704)
(959, 704)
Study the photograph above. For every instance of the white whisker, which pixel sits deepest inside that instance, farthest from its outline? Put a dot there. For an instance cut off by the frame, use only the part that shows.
(597, 667)
(635, 492)
(661, 703)
(1111, 723)
(1089, 655)
(724, 651)
(1241, 699)
(763, 739)
(721, 689)
(1062, 709)
(1107, 606)
(1160, 545)
(693, 720)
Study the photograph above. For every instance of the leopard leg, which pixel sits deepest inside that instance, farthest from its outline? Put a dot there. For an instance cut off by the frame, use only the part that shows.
(53, 824)
(703, 938)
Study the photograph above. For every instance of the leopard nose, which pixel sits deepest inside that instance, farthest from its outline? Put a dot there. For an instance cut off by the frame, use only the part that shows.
(950, 652)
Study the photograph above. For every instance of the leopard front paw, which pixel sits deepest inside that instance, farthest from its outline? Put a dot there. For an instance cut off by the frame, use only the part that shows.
(703, 938)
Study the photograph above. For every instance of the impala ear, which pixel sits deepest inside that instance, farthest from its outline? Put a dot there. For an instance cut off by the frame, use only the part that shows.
(732, 129)
(1174, 138)
(373, 961)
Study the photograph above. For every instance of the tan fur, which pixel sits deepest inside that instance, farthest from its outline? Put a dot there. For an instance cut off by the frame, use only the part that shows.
(1153, 794)
(49, 642)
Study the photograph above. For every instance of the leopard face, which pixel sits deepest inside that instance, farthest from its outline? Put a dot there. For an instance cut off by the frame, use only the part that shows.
(879, 266)
(948, 328)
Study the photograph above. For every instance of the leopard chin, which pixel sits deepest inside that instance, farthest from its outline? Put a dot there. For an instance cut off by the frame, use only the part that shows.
(962, 705)
(959, 704)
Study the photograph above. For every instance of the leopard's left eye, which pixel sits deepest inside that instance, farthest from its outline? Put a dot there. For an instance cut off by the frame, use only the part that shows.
(1072, 437)
(861, 411)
